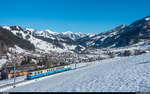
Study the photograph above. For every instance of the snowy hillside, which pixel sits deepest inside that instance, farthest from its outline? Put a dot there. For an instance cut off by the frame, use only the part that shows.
(137, 33)
(128, 74)
(45, 40)
(102, 40)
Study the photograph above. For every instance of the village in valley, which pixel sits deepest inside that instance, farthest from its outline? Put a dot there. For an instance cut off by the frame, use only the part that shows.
(31, 60)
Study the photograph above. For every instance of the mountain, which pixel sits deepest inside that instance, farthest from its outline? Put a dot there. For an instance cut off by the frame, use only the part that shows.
(137, 33)
(58, 40)
(67, 34)
(73, 36)
(42, 40)
(103, 39)
(8, 39)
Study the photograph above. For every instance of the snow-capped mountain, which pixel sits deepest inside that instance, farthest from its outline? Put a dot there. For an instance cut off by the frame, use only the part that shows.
(45, 33)
(73, 36)
(8, 39)
(67, 34)
(101, 40)
(138, 33)
(42, 40)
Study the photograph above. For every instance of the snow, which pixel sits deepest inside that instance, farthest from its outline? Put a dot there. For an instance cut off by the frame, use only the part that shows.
(33, 60)
(17, 49)
(67, 32)
(17, 27)
(147, 19)
(128, 74)
(15, 33)
(11, 80)
(37, 55)
(123, 26)
(2, 62)
(51, 32)
(6, 27)
(97, 37)
(132, 48)
(22, 78)
(104, 37)
(73, 36)
(70, 47)
(30, 29)
(91, 34)
(42, 45)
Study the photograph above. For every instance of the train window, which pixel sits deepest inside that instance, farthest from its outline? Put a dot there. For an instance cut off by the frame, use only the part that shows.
(30, 73)
(57, 68)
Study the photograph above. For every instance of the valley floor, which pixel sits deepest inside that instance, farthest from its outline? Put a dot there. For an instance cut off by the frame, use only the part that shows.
(126, 74)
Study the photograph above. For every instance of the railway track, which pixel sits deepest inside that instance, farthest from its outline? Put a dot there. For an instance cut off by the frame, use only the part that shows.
(12, 84)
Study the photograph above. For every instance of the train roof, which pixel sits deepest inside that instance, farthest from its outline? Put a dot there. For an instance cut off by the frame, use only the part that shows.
(47, 68)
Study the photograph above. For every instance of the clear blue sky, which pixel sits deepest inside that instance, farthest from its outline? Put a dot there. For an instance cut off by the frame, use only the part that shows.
(88, 16)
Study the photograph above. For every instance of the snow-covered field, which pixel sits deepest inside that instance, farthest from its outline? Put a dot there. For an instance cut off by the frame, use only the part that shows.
(125, 74)
(11, 80)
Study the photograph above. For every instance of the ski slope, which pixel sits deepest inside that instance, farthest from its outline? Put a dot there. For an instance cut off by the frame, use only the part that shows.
(126, 74)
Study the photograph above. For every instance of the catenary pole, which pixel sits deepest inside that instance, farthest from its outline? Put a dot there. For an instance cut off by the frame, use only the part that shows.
(14, 62)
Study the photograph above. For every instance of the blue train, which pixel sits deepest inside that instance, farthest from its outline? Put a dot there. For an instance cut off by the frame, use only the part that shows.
(48, 71)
